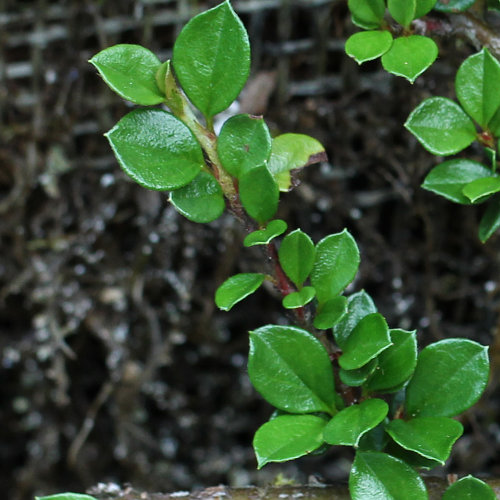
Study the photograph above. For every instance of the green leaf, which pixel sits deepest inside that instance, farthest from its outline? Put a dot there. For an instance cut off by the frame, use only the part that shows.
(300, 298)
(291, 152)
(264, 236)
(494, 124)
(130, 70)
(201, 200)
(368, 45)
(410, 457)
(335, 265)
(379, 476)
(236, 288)
(396, 364)
(288, 437)
(478, 88)
(490, 221)
(480, 189)
(441, 126)
(330, 312)
(259, 193)
(358, 377)
(67, 496)
(374, 440)
(430, 437)
(296, 256)
(449, 378)
(359, 305)
(403, 11)
(410, 56)
(368, 339)
(156, 149)
(244, 142)
(450, 178)
(349, 424)
(469, 488)
(423, 7)
(291, 370)
(212, 59)
(367, 15)
(453, 5)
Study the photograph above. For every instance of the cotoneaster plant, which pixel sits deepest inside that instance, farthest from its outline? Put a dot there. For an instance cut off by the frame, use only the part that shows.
(340, 376)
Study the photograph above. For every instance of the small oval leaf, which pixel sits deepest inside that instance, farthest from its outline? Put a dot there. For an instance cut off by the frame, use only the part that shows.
(378, 475)
(288, 437)
(490, 221)
(212, 59)
(357, 377)
(236, 288)
(330, 312)
(368, 45)
(477, 86)
(259, 194)
(450, 178)
(368, 339)
(410, 56)
(348, 425)
(431, 437)
(264, 236)
(244, 142)
(291, 370)
(441, 126)
(335, 265)
(449, 378)
(299, 299)
(480, 189)
(291, 152)
(403, 11)
(130, 70)
(156, 149)
(296, 256)
(469, 488)
(367, 15)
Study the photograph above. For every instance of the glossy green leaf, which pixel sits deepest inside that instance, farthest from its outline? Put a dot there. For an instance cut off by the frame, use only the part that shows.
(441, 126)
(367, 15)
(490, 221)
(477, 85)
(450, 178)
(244, 142)
(330, 312)
(376, 475)
(259, 193)
(396, 364)
(402, 11)
(359, 305)
(156, 149)
(423, 7)
(212, 59)
(201, 200)
(410, 56)
(410, 457)
(335, 265)
(67, 496)
(236, 288)
(494, 124)
(368, 339)
(450, 377)
(264, 236)
(300, 298)
(356, 378)
(130, 70)
(291, 369)
(431, 437)
(480, 189)
(288, 437)
(296, 256)
(291, 152)
(367, 45)
(375, 439)
(349, 424)
(469, 488)
(453, 5)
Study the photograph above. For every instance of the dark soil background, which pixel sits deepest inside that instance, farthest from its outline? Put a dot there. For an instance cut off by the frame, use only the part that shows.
(115, 364)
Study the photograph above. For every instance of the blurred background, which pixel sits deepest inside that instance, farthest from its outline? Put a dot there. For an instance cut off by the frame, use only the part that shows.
(115, 364)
